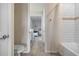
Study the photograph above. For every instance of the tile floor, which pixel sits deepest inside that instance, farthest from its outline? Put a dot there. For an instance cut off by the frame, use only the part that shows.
(37, 49)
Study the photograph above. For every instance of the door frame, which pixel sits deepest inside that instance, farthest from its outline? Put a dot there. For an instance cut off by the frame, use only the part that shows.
(11, 31)
(43, 28)
(28, 33)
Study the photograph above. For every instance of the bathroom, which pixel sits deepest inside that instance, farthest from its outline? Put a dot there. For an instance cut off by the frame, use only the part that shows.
(34, 26)
(68, 24)
(71, 32)
(25, 30)
(39, 29)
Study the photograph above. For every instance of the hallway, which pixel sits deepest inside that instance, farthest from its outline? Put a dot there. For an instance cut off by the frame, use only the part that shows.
(37, 46)
(39, 29)
(37, 49)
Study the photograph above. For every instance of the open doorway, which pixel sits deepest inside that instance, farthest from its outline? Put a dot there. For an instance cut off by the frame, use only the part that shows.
(35, 27)
(36, 35)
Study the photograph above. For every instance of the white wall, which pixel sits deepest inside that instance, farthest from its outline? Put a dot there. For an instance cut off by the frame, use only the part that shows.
(69, 24)
(20, 23)
(77, 23)
(69, 9)
(53, 28)
(36, 23)
(69, 30)
(76, 9)
(50, 42)
(36, 8)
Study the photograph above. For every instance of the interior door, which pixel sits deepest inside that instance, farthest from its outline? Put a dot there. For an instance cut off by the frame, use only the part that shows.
(5, 42)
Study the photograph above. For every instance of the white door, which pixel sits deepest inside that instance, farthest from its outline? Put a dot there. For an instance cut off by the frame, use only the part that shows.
(5, 17)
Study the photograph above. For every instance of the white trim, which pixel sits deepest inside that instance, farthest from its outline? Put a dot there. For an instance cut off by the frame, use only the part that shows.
(28, 40)
(43, 28)
(45, 32)
(11, 31)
